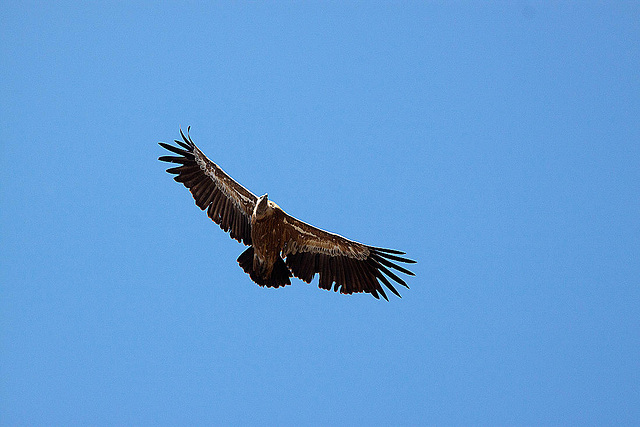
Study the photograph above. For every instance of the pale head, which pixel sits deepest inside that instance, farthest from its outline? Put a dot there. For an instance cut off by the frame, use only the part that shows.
(263, 207)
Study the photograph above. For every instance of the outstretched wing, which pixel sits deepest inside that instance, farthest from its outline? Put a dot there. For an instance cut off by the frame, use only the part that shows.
(228, 203)
(346, 265)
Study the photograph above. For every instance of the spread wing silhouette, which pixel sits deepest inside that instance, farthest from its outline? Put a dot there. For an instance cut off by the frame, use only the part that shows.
(349, 266)
(227, 203)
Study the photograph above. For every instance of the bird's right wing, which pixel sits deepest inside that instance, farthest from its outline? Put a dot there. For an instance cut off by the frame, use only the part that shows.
(350, 266)
(228, 203)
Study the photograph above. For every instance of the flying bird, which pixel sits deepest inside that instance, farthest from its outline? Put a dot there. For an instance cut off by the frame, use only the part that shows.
(281, 246)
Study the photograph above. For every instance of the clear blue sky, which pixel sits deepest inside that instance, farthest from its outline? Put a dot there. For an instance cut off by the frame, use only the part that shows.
(497, 144)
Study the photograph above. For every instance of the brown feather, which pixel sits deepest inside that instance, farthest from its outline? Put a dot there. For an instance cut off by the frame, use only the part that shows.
(212, 188)
(349, 266)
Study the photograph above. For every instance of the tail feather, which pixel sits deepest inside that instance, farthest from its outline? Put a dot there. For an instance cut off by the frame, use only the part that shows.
(279, 276)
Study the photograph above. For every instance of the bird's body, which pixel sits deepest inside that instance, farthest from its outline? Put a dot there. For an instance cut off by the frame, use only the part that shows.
(267, 237)
(274, 236)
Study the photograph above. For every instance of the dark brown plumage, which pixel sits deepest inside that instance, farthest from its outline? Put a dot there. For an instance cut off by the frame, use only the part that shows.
(281, 246)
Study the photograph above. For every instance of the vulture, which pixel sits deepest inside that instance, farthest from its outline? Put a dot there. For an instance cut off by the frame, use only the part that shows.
(279, 245)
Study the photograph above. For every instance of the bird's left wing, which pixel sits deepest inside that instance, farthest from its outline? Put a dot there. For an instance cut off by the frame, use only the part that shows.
(228, 203)
(349, 266)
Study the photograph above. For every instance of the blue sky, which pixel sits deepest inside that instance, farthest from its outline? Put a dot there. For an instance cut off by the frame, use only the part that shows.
(497, 144)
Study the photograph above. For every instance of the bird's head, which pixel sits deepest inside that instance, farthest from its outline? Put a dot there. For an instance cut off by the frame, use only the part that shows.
(262, 206)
